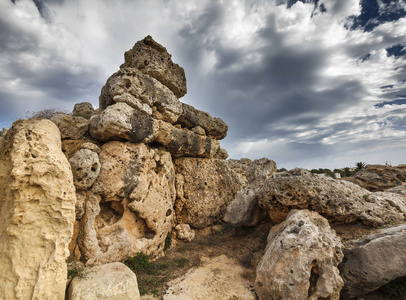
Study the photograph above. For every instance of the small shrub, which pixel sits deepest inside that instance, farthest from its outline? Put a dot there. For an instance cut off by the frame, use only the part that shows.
(181, 262)
(45, 113)
(168, 241)
(366, 196)
(140, 262)
(76, 272)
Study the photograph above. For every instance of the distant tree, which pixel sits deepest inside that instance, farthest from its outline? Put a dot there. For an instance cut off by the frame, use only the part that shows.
(360, 165)
(281, 170)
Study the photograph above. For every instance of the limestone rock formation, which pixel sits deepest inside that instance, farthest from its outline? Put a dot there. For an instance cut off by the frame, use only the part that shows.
(113, 281)
(71, 127)
(84, 110)
(184, 232)
(218, 278)
(300, 260)
(374, 261)
(244, 209)
(130, 206)
(204, 188)
(401, 189)
(337, 200)
(154, 60)
(37, 208)
(85, 168)
(120, 121)
(380, 177)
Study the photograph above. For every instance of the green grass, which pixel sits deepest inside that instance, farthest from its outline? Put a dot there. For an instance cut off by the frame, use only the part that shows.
(152, 275)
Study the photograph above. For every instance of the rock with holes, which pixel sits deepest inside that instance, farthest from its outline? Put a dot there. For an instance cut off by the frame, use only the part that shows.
(120, 121)
(154, 60)
(380, 177)
(374, 261)
(85, 168)
(218, 278)
(71, 127)
(37, 208)
(130, 206)
(300, 260)
(183, 232)
(84, 110)
(339, 200)
(244, 209)
(113, 281)
(141, 92)
(204, 188)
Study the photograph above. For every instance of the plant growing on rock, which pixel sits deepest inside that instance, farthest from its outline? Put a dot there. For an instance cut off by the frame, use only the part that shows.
(47, 113)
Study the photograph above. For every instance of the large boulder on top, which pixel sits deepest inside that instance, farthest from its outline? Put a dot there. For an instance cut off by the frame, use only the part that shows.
(300, 260)
(338, 200)
(130, 206)
(37, 208)
(71, 127)
(374, 261)
(380, 177)
(204, 188)
(153, 59)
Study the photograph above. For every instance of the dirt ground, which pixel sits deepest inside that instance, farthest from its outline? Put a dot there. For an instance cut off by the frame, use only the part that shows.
(245, 244)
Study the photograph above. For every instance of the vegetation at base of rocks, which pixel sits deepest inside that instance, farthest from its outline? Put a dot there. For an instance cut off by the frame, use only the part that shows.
(45, 113)
(366, 196)
(152, 275)
(396, 289)
(168, 241)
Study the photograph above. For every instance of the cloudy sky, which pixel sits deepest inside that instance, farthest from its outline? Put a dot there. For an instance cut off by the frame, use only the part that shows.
(311, 83)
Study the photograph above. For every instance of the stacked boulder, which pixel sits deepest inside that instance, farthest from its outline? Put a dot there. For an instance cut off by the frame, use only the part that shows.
(144, 162)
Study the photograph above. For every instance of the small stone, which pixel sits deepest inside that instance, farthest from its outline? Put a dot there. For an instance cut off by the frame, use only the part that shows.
(184, 232)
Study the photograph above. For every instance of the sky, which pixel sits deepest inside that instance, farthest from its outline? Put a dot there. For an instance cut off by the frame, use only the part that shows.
(311, 83)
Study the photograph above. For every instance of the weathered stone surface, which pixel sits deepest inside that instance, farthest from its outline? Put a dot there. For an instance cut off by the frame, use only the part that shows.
(130, 206)
(300, 260)
(204, 188)
(338, 200)
(401, 189)
(121, 121)
(83, 109)
(70, 147)
(219, 278)
(153, 59)
(183, 232)
(71, 127)
(37, 208)
(191, 117)
(244, 209)
(85, 168)
(374, 261)
(113, 281)
(380, 177)
(141, 92)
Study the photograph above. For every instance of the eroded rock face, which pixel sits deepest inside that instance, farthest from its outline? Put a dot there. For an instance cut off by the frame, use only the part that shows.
(71, 127)
(300, 260)
(153, 59)
(244, 209)
(121, 121)
(37, 208)
(374, 261)
(85, 168)
(379, 177)
(113, 281)
(130, 206)
(204, 188)
(338, 200)
(218, 278)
